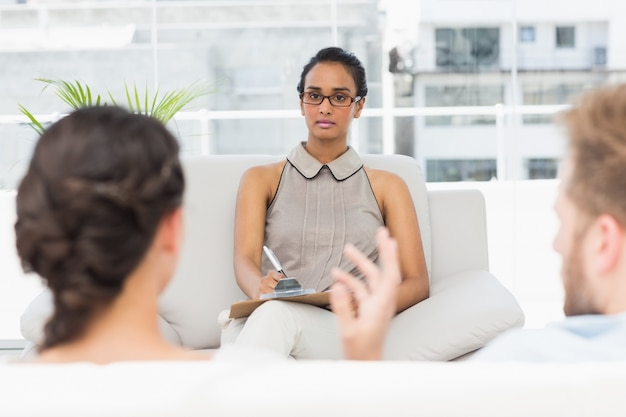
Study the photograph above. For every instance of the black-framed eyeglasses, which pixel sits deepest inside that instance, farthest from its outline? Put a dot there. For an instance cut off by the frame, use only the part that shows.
(336, 100)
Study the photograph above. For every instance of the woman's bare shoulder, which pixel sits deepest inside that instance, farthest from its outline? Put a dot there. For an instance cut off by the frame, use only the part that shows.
(384, 178)
(265, 173)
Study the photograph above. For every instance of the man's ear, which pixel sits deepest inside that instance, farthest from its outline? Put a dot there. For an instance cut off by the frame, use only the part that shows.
(359, 107)
(607, 244)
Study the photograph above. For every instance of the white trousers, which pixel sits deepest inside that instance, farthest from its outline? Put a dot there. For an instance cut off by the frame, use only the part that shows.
(296, 330)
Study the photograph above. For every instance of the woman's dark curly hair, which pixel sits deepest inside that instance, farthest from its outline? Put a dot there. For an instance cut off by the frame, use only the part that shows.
(98, 184)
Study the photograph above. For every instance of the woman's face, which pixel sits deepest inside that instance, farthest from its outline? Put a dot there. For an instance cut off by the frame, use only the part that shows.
(325, 121)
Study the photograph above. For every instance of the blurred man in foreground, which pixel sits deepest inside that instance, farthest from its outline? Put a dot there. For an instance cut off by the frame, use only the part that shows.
(591, 206)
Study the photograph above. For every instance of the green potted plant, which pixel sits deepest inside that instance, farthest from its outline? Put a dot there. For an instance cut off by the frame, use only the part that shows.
(162, 106)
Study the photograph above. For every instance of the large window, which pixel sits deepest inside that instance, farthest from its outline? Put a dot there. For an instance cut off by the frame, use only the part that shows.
(251, 52)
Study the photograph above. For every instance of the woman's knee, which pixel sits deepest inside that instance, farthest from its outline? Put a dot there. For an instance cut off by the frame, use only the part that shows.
(271, 310)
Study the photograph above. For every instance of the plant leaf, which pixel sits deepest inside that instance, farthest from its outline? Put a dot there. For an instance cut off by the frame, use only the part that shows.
(176, 100)
(130, 102)
(111, 98)
(137, 98)
(154, 101)
(35, 124)
(146, 106)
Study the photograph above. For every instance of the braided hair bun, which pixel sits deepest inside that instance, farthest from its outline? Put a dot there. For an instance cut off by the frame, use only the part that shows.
(98, 184)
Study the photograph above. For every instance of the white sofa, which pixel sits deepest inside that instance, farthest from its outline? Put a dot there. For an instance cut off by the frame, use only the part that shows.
(467, 307)
(314, 388)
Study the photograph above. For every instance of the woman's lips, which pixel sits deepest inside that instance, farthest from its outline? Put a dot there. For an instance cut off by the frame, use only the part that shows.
(325, 124)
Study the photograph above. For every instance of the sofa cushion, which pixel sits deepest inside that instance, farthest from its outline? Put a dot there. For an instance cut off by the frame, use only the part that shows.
(464, 312)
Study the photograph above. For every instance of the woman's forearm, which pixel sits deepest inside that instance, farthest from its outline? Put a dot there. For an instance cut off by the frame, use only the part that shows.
(410, 292)
(248, 278)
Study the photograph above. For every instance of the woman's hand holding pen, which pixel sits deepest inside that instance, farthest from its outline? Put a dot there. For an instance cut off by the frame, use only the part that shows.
(269, 282)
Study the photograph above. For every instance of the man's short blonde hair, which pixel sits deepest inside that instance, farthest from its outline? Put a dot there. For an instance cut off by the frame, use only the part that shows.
(596, 130)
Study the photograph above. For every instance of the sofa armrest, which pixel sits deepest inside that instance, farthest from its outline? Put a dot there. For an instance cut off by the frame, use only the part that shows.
(464, 312)
(34, 318)
(458, 224)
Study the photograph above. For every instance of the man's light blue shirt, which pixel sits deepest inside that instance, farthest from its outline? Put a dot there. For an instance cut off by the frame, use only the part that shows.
(577, 338)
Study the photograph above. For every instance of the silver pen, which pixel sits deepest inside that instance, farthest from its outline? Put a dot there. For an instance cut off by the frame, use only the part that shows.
(274, 260)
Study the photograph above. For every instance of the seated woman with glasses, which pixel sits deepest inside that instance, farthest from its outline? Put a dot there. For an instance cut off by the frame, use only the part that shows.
(308, 207)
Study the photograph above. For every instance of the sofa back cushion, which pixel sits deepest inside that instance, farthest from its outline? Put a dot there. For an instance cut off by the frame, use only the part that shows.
(204, 283)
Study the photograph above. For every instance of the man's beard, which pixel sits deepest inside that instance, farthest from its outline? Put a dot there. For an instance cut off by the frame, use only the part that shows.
(578, 297)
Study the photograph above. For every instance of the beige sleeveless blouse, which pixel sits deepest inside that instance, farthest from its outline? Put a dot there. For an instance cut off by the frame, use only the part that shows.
(317, 209)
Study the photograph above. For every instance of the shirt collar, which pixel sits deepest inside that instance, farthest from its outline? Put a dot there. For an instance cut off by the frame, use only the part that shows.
(343, 167)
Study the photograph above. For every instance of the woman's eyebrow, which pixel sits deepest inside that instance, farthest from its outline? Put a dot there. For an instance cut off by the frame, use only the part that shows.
(312, 87)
